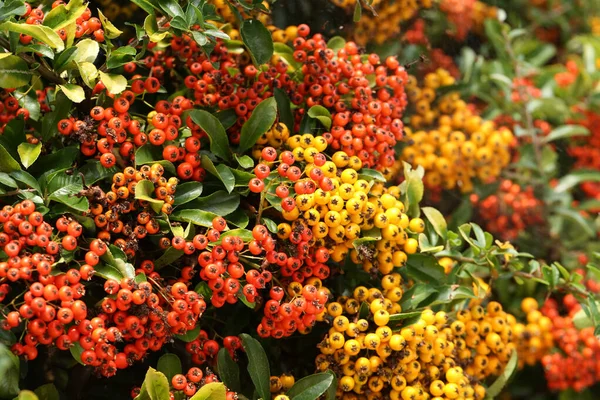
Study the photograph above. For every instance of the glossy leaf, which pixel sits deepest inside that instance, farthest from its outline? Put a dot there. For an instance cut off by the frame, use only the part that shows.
(211, 391)
(114, 83)
(310, 387)
(110, 31)
(220, 171)
(284, 107)
(495, 388)
(154, 387)
(9, 371)
(258, 365)
(258, 40)
(40, 32)
(170, 365)
(190, 335)
(75, 93)
(322, 114)
(229, 371)
(219, 142)
(566, 131)
(28, 153)
(64, 14)
(14, 72)
(168, 257)
(87, 51)
(261, 120)
(187, 192)
(143, 191)
(437, 220)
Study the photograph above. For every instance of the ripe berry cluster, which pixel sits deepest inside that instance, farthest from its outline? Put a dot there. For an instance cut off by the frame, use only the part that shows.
(510, 211)
(575, 365)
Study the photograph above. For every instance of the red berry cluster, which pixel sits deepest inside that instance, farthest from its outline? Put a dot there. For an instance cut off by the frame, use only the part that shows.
(459, 13)
(577, 363)
(416, 34)
(86, 24)
(204, 349)
(509, 211)
(369, 124)
(11, 109)
(50, 301)
(282, 318)
(142, 316)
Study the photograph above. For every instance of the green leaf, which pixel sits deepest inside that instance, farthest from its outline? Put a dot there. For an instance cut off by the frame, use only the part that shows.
(219, 202)
(151, 27)
(270, 224)
(566, 131)
(331, 392)
(144, 190)
(258, 40)
(9, 371)
(220, 171)
(357, 12)
(425, 268)
(116, 258)
(196, 217)
(114, 83)
(190, 335)
(93, 172)
(155, 386)
(6, 180)
(495, 388)
(147, 5)
(211, 391)
(29, 153)
(169, 257)
(75, 93)
(88, 73)
(14, 72)
(575, 178)
(227, 118)
(244, 161)
(170, 365)
(437, 220)
(261, 120)
(47, 392)
(28, 99)
(76, 350)
(87, 51)
(187, 192)
(450, 293)
(229, 371)
(371, 174)
(219, 142)
(171, 8)
(322, 114)
(258, 365)
(284, 107)
(336, 43)
(27, 395)
(7, 162)
(64, 14)
(37, 48)
(120, 56)
(40, 32)
(110, 31)
(412, 188)
(310, 387)
(12, 7)
(405, 315)
(25, 178)
(576, 218)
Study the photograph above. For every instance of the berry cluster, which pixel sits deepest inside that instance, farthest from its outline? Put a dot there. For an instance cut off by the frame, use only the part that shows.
(127, 213)
(280, 384)
(205, 350)
(510, 211)
(459, 146)
(433, 357)
(534, 338)
(576, 364)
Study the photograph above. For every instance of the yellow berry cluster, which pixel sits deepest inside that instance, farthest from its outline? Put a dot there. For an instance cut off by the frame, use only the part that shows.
(275, 137)
(387, 23)
(450, 140)
(594, 23)
(437, 357)
(534, 339)
(353, 206)
(281, 384)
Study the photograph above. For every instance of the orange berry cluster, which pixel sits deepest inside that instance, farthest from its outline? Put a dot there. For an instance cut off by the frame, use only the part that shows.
(50, 301)
(11, 109)
(534, 336)
(577, 363)
(510, 211)
(124, 219)
(205, 350)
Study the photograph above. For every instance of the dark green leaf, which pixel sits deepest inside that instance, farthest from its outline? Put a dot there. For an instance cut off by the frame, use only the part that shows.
(220, 171)
(261, 120)
(47, 392)
(170, 365)
(190, 335)
(270, 224)
(76, 351)
(187, 192)
(322, 114)
(120, 56)
(62, 106)
(219, 142)
(228, 118)
(7, 162)
(169, 256)
(310, 387)
(258, 40)
(220, 202)
(12, 7)
(425, 268)
(258, 365)
(229, 371)
(357, 12)
(283, 105)
(9, 371)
